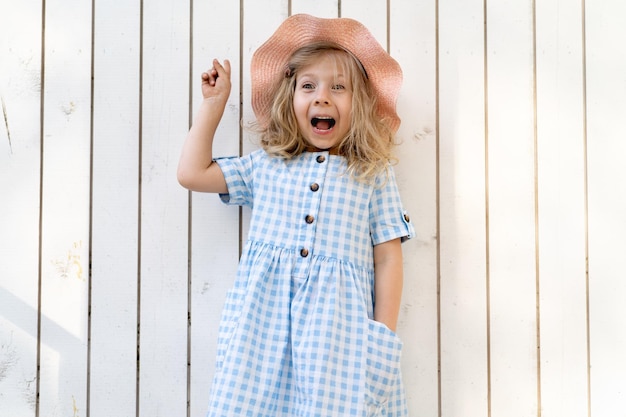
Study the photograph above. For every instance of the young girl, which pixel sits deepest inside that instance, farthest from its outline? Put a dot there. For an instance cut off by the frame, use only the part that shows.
(308, 328)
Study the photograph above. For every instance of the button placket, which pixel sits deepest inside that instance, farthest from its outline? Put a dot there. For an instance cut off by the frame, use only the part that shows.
(316, 173)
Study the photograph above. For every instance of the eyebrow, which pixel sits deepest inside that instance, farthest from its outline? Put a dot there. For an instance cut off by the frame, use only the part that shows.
(314, 75)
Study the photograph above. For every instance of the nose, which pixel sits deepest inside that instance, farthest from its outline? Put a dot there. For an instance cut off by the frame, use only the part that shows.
(322, 97)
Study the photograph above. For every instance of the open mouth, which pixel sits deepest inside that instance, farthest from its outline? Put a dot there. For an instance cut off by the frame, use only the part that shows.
(323, 123)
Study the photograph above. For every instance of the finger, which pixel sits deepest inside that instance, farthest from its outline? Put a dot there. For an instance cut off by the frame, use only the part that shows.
(227, 66)
(222, 70)
(210, 76)
(207, 78)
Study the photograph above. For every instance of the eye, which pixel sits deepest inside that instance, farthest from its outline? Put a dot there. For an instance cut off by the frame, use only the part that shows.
(339, 87)
(307, 86)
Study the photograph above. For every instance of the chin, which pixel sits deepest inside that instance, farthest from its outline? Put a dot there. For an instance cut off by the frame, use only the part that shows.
(323, 144)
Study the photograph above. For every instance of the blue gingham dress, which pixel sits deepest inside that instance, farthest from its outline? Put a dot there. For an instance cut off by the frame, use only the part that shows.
(296, 336)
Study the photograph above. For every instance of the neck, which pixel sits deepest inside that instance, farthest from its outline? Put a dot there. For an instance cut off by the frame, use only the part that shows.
(333, 151)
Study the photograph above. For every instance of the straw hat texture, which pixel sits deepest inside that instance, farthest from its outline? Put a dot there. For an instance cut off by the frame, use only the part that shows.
(270, 61)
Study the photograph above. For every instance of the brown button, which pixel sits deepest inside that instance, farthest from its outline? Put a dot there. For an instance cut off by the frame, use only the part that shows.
(315, 186)
(407, 218)
(304, 252)
(309, 219)
(320, 158)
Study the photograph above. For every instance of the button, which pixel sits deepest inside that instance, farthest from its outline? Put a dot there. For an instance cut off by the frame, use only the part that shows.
(315, 186)
(309, 219)
(320, 158)
(304, 252)
(406, 218)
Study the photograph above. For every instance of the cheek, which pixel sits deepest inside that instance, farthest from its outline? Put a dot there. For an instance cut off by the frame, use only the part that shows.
(297, 105)
(346, 109)
(300, 110)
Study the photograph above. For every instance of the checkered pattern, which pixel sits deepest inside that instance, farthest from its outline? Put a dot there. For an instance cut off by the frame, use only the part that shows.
(296, 336)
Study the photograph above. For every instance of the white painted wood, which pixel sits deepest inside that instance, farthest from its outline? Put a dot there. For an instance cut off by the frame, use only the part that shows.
(462, 170)
(65, 228)
(606, 106)
(512, 260)
(164, 210)
(412, 44)
(561, 162)
(158, 247)
(261, 19)
(115, 210)
(20, 52)
(215, 226)
(372, 13)
(323, 8)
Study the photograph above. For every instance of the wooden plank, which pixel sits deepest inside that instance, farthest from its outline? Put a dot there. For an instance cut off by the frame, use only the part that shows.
(113, 372)
(512, 257)
(65, 216)
(561, 162)
(215, 226)
(321, 8)
(462, 170)
(20, 81)
(261, 19)
(164, 210)
(606, 106)
(412, 44)
(372, 13)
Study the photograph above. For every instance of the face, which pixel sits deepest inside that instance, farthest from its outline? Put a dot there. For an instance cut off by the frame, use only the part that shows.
(322, 102)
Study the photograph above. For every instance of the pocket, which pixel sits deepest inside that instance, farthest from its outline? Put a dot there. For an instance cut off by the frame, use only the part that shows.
(228, 323)
(384, 350)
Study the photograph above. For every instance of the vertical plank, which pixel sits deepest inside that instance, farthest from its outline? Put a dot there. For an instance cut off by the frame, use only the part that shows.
(372, 13)
(462, 193)
(606, 106)
(20, 82)
(323, 8)
(164, 209)
(65, 216)
(214, 226)
(260, 20)
(561, 163)
(113, 372)
(512, 259)
(412, 44)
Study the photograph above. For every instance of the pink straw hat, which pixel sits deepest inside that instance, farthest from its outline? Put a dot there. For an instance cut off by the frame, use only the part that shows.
(269, 62)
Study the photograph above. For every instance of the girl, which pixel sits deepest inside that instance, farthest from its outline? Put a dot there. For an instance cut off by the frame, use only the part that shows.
(308, 328)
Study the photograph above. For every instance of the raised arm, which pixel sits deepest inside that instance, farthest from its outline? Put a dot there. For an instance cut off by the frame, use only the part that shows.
(196, 169)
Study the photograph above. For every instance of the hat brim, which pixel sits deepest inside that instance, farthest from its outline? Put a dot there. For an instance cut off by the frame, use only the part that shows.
(270, 59)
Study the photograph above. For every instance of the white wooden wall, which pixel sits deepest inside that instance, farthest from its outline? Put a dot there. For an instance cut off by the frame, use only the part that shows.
(112, 276)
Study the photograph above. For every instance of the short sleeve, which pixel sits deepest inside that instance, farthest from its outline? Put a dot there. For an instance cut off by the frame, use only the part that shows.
(388, 219)
(238, 176)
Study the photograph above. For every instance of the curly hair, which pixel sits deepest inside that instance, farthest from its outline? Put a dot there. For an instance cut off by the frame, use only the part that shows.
(368, 145)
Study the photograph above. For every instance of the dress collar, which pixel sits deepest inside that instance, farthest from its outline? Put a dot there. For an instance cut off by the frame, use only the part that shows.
(331, 151)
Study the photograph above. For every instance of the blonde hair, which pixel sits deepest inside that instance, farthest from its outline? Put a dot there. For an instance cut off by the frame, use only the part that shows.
(367, 146)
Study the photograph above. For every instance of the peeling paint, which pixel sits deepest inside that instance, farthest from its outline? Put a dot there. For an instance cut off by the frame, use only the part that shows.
(71, 265)
(74, 407)
(68, 109)
(8, 359)
(206, 287)
(423, 133)
(29, 393)
(6, 122)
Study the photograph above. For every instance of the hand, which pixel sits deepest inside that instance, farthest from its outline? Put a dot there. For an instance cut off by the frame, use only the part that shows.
(216, 81)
